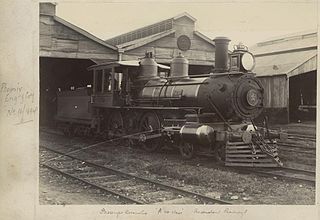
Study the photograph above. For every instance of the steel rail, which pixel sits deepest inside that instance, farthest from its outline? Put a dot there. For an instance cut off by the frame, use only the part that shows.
(297, 151)
(302, 135)
(296, 148)
(292, 134)
(302, 138)
(299, 170)
(287, 144)
(161, 185)
(286, 175)
(128, 199)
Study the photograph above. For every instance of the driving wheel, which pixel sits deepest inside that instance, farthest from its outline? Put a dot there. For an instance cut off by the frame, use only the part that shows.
(115, 125)
(149, 125)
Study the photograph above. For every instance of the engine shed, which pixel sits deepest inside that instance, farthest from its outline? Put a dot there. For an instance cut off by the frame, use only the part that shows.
(167, 39)
(287, 67)
(66, 51)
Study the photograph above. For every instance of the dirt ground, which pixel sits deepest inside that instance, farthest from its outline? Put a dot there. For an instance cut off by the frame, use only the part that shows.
(200, 174)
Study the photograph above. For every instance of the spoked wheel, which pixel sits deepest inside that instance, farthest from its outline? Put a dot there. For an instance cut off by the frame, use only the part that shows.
(187, 150)
(150, 124)
(115, 125)
(220, 153)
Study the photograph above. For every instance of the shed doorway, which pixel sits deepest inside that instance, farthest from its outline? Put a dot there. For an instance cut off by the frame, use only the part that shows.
(60, 74)
(302, 97)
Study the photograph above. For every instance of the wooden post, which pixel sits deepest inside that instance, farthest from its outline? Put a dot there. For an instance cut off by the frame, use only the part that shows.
(288, 98)
(94, 89)
(126, 78)
(103, 80)
(112, 79)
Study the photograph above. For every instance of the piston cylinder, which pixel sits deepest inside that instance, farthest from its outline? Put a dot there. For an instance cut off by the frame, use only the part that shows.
(221, 54)
(197, 134)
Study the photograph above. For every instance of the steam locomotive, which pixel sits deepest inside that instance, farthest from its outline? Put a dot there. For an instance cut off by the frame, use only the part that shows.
(210, 113)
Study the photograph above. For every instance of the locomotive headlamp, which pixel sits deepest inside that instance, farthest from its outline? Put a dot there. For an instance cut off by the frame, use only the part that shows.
(248, 61)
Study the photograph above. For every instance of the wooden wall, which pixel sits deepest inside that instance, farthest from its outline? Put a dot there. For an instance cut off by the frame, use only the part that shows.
(276, 91)
(58, 40)
(276, 99)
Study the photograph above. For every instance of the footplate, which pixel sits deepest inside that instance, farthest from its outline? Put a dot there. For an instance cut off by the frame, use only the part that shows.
(242, 154)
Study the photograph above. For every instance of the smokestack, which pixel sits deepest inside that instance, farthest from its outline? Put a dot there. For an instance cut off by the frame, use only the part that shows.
(221, 54)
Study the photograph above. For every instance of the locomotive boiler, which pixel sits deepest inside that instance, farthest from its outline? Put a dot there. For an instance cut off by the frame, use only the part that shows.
(212, 113)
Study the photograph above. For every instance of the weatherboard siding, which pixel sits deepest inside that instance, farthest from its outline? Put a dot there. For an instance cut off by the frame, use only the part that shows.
(58, 40)
(275, 91)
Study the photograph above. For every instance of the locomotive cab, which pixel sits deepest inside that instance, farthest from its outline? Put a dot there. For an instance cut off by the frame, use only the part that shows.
(109, 85)
(112, 82)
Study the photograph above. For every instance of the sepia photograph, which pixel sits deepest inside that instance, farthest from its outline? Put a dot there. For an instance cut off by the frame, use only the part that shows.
(147, 109)
(196, 107)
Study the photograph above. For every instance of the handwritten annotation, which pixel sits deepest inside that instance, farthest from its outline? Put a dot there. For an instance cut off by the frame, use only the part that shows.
(18, 103)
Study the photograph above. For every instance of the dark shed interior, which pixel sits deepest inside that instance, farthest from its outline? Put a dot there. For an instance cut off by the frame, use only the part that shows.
(302, 99)
(60, 74)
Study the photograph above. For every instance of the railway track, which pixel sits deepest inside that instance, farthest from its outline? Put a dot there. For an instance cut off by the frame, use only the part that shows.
(313, 139)
(283, 146)
(301, 136)
(124, 186)
(298, 136)
(296, 148)
(295, 174)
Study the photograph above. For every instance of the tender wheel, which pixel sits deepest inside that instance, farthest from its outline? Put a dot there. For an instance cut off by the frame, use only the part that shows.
(220, 153)
(187, 150)
(68, 131)
(115, 125)
(150, 122)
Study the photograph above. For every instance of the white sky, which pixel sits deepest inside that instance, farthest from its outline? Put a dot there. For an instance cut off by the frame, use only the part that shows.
(244, 21)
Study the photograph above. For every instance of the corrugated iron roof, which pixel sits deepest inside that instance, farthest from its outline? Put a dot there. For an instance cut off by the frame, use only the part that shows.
(286, 44)
(142, 41)
(148, 30)
(283, 54)
(289, 36)
(281, 63)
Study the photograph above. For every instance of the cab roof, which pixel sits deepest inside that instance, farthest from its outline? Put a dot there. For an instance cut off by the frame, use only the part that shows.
(126, 63)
